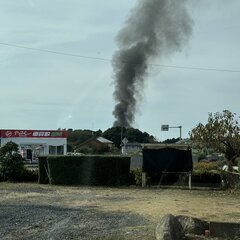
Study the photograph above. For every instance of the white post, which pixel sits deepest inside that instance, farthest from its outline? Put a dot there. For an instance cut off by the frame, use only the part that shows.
(143, 179)
(46, 150)
(190, 181)
(65, 149)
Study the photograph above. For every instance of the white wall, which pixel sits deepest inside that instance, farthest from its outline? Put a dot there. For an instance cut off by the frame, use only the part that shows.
(42, 141)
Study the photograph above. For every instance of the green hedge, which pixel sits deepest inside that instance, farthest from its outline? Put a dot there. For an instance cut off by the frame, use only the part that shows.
(89, 170)
(43, 170)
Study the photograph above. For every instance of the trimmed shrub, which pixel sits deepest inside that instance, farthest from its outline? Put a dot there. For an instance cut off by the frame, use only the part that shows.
(89, 170)
(43, 170)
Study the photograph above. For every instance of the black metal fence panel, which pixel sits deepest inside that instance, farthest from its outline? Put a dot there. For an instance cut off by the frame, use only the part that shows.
(167, 160)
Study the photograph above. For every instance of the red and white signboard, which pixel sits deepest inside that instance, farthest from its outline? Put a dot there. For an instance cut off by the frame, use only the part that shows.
(32, 134)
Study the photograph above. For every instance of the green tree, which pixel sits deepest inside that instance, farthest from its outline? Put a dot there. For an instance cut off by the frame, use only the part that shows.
(11, 162)
(221, 133)
(115, 134)
(76, 137)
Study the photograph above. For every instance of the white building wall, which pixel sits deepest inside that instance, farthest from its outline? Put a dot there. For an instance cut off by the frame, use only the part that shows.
(43, 141)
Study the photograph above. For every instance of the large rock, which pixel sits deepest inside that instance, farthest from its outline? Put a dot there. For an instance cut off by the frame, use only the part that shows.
(192, 225)
(169, 228)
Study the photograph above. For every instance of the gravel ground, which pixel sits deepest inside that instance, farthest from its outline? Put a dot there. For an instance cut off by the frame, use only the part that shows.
(35, 212)
(26, 221)
(32, 211)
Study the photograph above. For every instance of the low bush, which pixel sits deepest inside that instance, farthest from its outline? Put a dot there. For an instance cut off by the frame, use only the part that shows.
(136, 176)
(89, 170)
(207, 168)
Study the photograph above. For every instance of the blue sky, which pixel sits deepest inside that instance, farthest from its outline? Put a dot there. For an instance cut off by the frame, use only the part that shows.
(42, 90)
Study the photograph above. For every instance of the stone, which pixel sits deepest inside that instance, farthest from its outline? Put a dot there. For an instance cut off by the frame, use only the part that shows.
(193, 225)
(169, 228)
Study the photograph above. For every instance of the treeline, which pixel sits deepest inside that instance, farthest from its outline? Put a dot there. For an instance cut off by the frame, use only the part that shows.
(114, 134)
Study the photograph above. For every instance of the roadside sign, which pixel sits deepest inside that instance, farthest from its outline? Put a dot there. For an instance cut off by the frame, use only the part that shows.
(165, 127)
(125, 141)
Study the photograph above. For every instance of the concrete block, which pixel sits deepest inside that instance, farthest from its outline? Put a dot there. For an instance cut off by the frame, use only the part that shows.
(225, 230)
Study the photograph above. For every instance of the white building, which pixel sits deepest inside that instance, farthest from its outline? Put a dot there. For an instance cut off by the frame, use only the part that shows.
(131, 147)
(33, 143)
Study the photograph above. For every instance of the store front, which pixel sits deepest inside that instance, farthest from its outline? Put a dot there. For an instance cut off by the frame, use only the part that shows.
(34, 143)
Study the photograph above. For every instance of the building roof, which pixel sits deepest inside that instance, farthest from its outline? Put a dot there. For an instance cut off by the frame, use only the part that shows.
(104, 140)
(161, 146)
(100, 140)
(134, 144)
(184, 141)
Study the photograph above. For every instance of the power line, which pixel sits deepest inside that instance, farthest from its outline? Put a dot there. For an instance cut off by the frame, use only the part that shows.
(109, 60)
(54, 52)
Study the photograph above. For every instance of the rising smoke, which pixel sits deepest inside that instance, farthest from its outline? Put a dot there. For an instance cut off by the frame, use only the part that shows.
(154, 28)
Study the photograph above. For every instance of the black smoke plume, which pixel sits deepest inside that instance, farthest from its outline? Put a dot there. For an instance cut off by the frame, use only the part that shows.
(154, 28)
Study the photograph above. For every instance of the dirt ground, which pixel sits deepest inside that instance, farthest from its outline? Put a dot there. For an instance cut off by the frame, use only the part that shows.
(33, 211)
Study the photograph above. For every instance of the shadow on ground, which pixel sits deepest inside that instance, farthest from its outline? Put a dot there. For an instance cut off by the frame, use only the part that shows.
(52, 222)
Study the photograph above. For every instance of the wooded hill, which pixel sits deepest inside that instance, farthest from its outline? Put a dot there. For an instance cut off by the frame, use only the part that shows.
(114, 134)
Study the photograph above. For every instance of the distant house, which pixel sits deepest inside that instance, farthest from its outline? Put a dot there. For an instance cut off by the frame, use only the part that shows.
(131, 147)
(98, 144)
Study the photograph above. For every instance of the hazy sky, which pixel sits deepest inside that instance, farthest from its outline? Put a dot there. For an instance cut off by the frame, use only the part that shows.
(41, 90)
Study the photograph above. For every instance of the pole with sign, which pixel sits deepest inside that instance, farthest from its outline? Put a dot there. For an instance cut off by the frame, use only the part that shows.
(124, 141)
(166, 127)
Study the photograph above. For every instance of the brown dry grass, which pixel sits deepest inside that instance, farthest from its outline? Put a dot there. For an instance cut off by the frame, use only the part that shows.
(151, 203)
